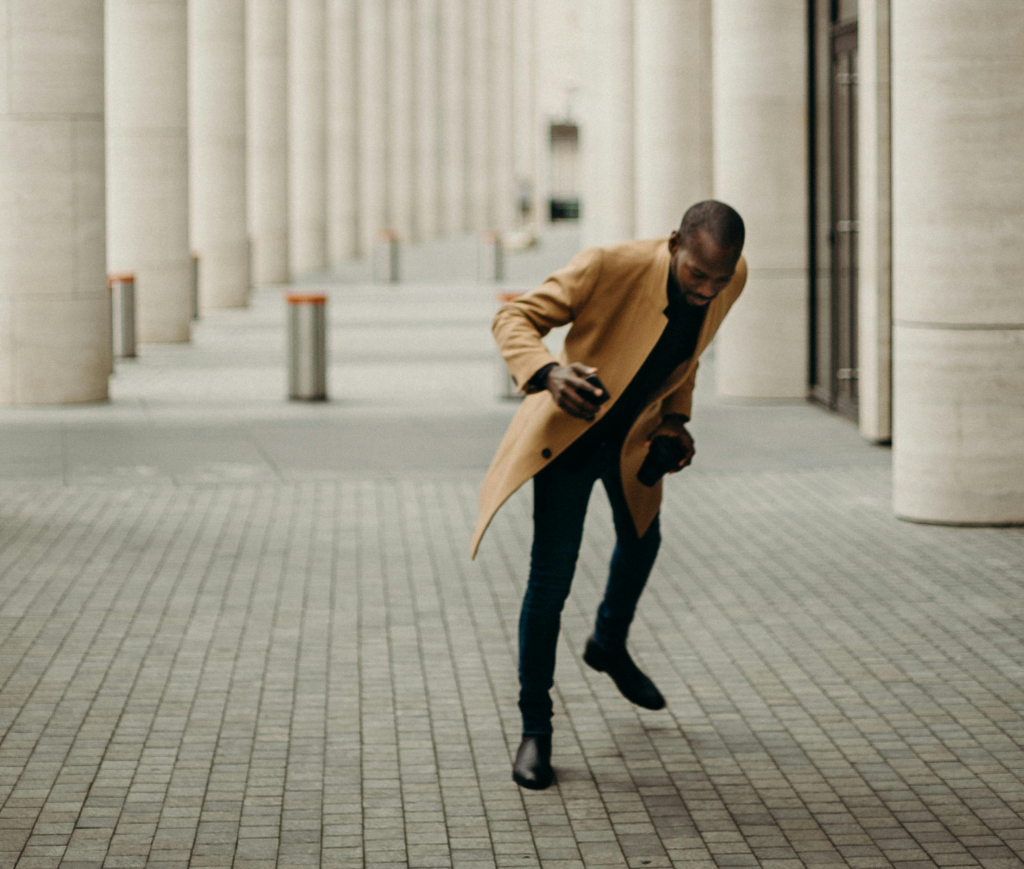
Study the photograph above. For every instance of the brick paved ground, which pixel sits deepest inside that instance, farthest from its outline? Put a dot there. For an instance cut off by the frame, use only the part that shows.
(240, 633)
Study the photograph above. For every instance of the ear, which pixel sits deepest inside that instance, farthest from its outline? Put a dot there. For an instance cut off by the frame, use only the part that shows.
(674, 241)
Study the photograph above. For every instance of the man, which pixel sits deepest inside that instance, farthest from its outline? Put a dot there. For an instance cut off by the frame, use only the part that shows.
(641, 312)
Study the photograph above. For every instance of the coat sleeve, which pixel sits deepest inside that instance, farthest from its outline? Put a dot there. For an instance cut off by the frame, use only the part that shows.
(519, 325)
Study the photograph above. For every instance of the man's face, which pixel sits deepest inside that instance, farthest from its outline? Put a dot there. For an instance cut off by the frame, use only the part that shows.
(701, 268)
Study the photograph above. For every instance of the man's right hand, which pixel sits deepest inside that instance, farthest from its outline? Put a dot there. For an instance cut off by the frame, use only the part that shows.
(571, 391)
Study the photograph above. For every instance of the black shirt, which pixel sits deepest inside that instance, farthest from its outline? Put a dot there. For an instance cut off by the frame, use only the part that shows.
(677, 344)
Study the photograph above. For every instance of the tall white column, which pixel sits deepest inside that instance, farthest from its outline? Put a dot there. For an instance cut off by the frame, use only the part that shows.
(958, 261)
(147, 161)
(402, 121)
(453, 116)
(54, 304)
(428, 116)
(479, 53)
(607, 207)
(874, 210)
(672, 57)
(217, 164)
(524, 103)
(760, 168)
(373, 121)
(266, 25)
(307, 135)
(342, 131)
(502, 117)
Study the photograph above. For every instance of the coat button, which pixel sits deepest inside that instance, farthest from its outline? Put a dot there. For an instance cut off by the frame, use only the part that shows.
(546, 453)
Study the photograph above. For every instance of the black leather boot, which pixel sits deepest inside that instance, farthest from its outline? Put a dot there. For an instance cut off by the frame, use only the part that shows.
(628, 677)
(532, 768)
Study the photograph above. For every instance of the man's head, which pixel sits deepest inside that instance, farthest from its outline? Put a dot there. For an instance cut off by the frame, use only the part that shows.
(705, 250)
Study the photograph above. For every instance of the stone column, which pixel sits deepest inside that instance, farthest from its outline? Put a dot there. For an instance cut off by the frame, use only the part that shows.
(307, 135)
(266, 26)
(453, 116)
(672, 57)
(958, 261)
(524, 105)
(760, 168)
(607, 207)
(479, 53)
(342, 131)
(373, 122)
(502, 120)
(217, 164)
(874, 209)
(147, 161)
(402, 121)
(54, 303)
(428, 114)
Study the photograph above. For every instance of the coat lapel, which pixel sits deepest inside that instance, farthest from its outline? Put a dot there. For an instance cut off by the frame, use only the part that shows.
(647, 318)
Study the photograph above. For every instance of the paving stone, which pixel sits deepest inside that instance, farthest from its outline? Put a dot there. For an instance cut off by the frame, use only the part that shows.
(236, 632)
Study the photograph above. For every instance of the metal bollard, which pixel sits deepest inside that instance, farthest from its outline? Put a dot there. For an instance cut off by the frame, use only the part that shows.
(506, 385)
(490, 265)
(195, 286)
(307, 346)
(122, 308)
(385, 258)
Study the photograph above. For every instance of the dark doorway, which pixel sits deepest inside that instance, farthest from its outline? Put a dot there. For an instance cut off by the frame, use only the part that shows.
(834, 301)
(564, 203)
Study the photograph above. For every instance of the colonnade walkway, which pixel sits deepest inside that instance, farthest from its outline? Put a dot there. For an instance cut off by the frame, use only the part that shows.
(242, 632)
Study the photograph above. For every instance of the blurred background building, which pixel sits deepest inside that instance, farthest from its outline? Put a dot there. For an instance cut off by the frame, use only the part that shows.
(876, 150)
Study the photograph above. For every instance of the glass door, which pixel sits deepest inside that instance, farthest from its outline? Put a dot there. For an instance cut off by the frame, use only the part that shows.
(844, 220)
(833, 205)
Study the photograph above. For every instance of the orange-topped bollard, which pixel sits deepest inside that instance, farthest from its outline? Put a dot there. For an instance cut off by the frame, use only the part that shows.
(122, 311)
(506, 385)
(490, 263)
(307, 346)
(385, 258)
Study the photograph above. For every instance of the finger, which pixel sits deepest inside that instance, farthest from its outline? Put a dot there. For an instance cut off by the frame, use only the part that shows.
(586, 391)
(571, 400)
(573, 406)
(583, 392)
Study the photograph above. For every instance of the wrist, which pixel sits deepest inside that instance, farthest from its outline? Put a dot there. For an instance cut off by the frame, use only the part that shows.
(539, 381)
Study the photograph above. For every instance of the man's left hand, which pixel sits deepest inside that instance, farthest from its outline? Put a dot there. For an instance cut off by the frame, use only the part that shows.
(675, 428)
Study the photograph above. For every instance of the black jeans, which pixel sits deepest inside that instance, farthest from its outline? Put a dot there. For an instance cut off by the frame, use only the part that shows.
(561, 492)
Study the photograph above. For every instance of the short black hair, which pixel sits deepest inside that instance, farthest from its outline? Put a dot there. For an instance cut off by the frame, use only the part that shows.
(722, 222)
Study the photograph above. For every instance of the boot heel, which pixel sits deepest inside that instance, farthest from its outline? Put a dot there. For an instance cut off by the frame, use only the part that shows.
(592, 657)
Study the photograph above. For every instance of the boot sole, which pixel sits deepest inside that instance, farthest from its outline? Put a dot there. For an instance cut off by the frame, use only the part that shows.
(533, 785)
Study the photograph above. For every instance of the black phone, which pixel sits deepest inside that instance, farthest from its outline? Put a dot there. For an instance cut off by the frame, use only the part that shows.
(593, 380)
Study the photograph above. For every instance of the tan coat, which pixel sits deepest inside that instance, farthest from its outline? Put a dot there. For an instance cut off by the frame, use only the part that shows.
(615, 299)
